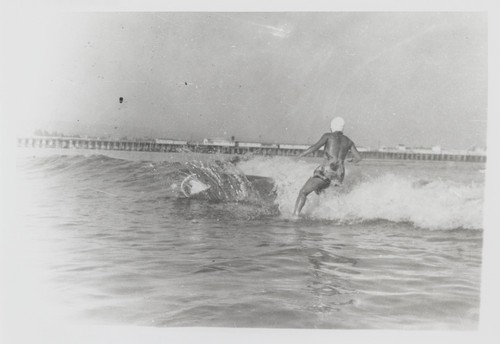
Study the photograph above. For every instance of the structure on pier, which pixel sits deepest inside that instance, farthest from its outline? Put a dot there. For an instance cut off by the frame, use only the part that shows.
(164, 145)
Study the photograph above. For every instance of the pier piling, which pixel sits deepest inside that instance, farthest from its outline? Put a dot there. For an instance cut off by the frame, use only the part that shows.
(153, 146)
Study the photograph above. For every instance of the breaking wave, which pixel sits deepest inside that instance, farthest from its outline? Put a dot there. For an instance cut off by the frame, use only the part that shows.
(373, 194)
(368, 193)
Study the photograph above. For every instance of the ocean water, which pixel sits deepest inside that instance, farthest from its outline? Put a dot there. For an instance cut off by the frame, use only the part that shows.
(111, 238)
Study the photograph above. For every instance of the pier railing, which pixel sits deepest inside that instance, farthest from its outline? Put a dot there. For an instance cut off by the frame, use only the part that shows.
(232, 148)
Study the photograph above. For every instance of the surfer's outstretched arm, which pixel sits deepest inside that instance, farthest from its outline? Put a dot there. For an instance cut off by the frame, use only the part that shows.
(315, 146)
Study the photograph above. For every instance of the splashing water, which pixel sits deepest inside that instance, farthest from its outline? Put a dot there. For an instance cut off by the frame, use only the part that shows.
(219, 181)
(373, 193)
(432, 195)
(116, 241)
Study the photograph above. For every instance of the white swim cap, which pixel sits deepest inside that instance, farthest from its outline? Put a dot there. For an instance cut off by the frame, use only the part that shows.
(337, 124)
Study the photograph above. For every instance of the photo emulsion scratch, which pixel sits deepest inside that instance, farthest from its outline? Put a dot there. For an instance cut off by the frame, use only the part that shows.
(320, 170)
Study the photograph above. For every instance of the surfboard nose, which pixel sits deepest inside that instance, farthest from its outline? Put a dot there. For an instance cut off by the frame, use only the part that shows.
(191, 185)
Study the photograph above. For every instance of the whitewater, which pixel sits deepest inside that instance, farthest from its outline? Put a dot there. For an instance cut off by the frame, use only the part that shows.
(114, 240)
(414, 192)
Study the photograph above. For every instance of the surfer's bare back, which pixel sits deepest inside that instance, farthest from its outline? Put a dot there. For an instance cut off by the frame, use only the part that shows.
(336, 146)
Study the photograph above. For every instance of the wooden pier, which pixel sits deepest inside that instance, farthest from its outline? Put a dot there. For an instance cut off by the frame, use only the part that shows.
(230, 148)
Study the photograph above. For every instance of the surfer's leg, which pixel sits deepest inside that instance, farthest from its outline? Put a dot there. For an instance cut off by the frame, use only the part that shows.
(311, 185)
(342, 173)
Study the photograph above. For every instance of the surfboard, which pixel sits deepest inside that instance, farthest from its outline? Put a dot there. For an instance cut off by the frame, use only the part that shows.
(194, 184)
(191, 186)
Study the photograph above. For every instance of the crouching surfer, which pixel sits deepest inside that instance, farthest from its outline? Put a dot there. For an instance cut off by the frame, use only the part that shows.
(331, 170)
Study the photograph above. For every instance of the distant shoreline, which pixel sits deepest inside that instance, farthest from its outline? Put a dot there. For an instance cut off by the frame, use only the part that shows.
(236, 148)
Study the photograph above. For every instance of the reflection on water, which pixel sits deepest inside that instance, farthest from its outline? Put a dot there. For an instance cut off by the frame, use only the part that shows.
(121, 249)
(326, 283)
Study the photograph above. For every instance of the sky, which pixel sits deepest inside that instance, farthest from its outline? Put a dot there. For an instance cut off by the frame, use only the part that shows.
(414, 78)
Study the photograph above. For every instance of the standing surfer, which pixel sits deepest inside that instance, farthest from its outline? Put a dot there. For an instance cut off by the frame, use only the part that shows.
(337, 145)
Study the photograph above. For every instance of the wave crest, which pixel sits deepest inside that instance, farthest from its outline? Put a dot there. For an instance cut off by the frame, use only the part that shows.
(377, 193)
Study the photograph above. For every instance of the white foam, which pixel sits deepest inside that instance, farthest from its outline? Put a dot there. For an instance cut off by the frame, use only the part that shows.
(393, 195)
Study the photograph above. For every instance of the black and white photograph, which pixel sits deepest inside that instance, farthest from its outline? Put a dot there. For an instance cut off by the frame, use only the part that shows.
(244, 170)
